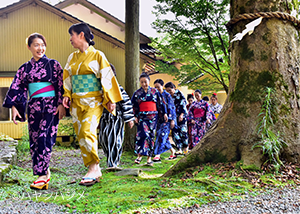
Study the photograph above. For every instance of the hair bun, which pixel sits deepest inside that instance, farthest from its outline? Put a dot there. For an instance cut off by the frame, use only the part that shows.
(92, 36)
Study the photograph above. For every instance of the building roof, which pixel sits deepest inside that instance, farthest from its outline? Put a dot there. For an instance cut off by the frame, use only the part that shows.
(143, 38)
(23, 3)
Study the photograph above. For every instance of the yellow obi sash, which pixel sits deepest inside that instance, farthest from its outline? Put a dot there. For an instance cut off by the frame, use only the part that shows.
(41, 89)
(85, 83)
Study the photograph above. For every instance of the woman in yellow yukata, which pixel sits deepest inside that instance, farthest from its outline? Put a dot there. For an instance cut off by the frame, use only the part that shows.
(89, 85)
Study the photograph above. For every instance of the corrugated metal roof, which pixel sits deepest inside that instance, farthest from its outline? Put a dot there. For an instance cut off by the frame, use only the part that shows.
(147, 49)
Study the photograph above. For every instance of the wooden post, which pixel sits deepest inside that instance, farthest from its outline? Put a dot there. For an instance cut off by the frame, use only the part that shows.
(132, 60)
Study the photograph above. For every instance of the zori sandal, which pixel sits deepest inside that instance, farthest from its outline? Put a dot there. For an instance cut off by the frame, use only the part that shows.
(172, 157)
(178, 153)
(89, 183)
(149, 163)
(137, 161)
(156, 159)
(40, 187)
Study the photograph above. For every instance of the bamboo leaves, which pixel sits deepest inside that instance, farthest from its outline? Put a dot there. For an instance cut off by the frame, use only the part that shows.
(270, 143)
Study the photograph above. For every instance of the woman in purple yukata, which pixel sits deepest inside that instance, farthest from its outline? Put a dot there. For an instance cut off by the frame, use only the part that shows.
(147, 104)
(199, 115)
(43, 79)
(179, 132)
(162, 143)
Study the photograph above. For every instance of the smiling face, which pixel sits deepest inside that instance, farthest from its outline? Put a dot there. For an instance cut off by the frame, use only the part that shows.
(37, 48)
(171, 91)
(144, 83)
(191, 100)
(198, 96)
(159, 87)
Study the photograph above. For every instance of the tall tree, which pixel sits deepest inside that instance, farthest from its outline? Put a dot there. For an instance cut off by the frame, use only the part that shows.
(132, 60)
(196, 39)
(267, 58)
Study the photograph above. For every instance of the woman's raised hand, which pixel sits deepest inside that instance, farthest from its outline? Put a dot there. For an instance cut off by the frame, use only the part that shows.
(15, 113)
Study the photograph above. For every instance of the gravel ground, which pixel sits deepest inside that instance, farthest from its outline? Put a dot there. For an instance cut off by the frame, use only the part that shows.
(14, 207)
(278, 200)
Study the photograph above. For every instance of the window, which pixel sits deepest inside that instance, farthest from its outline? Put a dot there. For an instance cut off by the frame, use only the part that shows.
(4, 112)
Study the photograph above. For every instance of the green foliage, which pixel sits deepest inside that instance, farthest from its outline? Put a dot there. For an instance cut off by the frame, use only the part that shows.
(251, 167)
(271, 143)
(66, 129)
(199, 185)
(23, 144)
(4, 137)
(196, 39)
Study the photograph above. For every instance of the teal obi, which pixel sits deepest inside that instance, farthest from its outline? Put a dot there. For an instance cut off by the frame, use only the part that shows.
(41, 89)
(85, 83)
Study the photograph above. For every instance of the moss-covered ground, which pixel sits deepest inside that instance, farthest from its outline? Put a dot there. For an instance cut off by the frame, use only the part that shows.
(132, 194)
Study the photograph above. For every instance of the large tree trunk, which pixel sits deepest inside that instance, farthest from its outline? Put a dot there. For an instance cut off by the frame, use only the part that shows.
(267, 58)
(132, 61)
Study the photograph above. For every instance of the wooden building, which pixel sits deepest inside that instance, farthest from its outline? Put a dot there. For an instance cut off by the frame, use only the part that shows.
(20, 19)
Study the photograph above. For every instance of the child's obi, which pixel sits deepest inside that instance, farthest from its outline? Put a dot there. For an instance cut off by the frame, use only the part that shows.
(199, 113)
(148, 106)
(85, 83)
(41, 89)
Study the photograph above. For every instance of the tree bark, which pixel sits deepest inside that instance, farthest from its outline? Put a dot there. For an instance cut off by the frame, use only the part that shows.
(267, 58)
(132, 60)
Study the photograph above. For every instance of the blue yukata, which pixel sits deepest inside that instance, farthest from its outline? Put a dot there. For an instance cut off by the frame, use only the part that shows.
(146, 107)
(42, 123)
(180, 132)
(200, 112)
(162, 143)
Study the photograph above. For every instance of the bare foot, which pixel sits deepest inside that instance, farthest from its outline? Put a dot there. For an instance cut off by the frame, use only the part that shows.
(93, 172)
(148, 159)
(172, 151)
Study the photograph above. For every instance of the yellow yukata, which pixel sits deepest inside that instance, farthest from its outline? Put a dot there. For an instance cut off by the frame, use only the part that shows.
(87, 106)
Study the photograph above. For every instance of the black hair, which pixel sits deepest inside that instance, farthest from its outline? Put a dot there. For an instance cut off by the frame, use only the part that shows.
(205, 98)
(197, 90)
(159, 81)
(144, 75)
(113, 69)
(170, 85)
(214, 95)
(190, 96)
(83, 27)
(33, 36)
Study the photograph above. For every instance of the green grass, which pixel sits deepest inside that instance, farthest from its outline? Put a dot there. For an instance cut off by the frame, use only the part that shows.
(127, 194)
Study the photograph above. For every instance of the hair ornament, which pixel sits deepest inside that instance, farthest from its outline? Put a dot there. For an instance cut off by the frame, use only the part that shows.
(92, 36)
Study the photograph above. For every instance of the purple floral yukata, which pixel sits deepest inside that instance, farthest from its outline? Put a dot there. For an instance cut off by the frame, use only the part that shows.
(42, 123)
(199, 112)
(144, 143)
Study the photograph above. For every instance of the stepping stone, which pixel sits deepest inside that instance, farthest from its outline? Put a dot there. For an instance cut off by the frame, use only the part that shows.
(132, 171)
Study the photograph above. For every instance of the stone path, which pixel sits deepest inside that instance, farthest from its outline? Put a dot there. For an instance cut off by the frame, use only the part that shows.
(8, 156)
